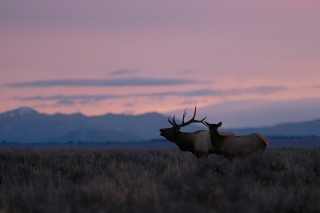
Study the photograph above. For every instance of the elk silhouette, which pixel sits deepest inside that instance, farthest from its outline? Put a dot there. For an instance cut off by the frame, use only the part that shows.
(197, 142)
(237, 146)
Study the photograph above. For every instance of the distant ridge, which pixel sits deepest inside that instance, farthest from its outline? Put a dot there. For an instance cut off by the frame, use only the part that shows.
(21, 111)
(26, 125)
(307, 128)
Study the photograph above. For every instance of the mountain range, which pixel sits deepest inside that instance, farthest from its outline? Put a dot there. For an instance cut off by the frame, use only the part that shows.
(26, 125)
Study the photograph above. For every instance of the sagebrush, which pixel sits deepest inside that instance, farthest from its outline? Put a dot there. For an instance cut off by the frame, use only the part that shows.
(158, 181)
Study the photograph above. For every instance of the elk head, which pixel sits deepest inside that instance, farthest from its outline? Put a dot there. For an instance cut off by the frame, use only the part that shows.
(172, 133)
(213, 127)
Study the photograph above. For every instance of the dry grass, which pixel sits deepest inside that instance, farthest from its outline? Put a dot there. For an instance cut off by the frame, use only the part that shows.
(158, 181)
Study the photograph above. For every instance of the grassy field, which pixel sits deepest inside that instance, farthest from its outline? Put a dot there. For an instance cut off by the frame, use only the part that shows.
(158, 181)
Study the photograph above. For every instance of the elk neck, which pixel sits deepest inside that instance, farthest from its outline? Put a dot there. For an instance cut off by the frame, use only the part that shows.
(185, 141)
(216, 139)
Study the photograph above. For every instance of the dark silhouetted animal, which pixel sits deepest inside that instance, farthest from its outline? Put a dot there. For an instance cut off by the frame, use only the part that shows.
(237, 146)
(196, 142)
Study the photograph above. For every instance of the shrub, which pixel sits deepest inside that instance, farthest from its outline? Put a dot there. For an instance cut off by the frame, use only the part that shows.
(158, 181)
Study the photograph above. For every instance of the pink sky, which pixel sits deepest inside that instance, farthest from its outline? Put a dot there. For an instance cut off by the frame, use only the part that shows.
(139, 56)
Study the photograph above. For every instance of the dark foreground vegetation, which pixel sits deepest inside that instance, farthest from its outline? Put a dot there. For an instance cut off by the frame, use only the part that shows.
(158, 181)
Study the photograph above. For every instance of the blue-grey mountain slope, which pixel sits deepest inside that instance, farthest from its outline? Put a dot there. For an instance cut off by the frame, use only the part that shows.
(26, 125)
(300, 129)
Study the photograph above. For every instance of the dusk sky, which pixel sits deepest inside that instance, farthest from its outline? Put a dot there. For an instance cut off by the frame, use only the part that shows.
(137, 56)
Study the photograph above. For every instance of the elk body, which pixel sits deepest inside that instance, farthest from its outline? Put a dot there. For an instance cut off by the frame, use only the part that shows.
(237, 146)
(197, 142)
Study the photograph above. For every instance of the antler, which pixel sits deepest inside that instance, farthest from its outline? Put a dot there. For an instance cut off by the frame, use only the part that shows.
(192, 120)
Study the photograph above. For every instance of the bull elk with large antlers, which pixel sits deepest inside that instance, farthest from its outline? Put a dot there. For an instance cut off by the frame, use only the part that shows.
(238, 146)
(196, 142)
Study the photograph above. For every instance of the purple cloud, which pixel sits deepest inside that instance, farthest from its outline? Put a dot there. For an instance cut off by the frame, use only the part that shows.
(119, 82)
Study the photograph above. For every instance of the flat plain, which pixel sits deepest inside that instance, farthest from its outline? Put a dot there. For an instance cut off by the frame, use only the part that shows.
(280, 180)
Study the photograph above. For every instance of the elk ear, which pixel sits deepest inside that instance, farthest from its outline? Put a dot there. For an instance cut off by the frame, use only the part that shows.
(219, 124)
